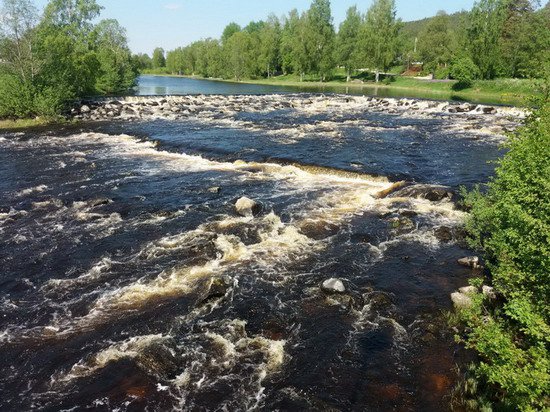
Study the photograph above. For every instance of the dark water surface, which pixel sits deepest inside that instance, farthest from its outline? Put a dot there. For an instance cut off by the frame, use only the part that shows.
(128, 281)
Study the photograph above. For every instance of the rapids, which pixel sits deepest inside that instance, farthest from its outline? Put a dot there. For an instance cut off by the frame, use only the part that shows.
(129, 282)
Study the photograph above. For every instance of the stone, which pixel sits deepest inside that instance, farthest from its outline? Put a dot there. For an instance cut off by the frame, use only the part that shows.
(489, 110)
(333, 285)
(247, 207)
(219, 286)
(489, 292)
(469, 261)
(461, 301)
(214, 189)
(468, 290)
(444, 234)
(433, 193)
(85, 109)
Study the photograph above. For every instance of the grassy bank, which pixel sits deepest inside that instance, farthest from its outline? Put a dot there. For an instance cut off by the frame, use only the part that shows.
(25, 123)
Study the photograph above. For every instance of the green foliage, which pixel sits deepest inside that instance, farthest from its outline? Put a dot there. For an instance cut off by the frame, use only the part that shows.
(158, 58)
(380, 36)
(348, 41)
(436, 43)
(465, 71)
(48, 63)
(511, 225)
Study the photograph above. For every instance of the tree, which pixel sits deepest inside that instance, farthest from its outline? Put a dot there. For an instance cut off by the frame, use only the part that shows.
(238, 50)
(347, 44)
(294, 57)
(380, 36)
(142, 61)
(270, 41)
(18, 61)
(484, 32)
(523, 39)
(117, 69)
(76, 15)
(229, 31)
(436, 43)
(45, 64)
(319, 38)
(159, 61)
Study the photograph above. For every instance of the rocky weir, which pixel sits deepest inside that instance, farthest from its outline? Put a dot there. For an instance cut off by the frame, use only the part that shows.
(274, 252)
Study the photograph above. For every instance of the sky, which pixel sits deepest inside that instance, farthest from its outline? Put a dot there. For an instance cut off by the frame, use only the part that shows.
(173, 23)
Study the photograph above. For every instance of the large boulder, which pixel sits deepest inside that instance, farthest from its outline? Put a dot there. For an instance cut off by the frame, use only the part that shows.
(247, 207)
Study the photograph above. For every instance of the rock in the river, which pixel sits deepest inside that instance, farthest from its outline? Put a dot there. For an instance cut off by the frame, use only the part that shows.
(468, 290)
(461, 300)
(214, 189)
(470, 261)
(444, 234)
(85, 109)
(218, 288)
(489, 110)
(489, 292)
(333, 285)
(429, 192)
(247, 207)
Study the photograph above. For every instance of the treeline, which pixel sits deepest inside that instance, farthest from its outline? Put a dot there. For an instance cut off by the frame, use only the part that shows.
(497, 38)
(48, 60)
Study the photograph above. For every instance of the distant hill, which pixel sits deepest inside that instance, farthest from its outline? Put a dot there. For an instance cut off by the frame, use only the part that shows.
(412, 29)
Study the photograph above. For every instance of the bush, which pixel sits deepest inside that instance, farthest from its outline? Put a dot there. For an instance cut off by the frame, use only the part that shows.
(442, 73)
(511, 225)
(465, 71)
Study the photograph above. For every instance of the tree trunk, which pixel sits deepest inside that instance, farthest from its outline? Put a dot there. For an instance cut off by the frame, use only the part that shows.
(377, 76)
(301, 76)
(348, 78)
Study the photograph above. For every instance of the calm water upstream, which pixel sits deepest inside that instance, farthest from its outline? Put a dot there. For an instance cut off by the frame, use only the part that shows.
(166, 85)
(129, 282)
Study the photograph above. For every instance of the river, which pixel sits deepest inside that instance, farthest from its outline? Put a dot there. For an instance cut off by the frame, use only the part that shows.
(130, 282)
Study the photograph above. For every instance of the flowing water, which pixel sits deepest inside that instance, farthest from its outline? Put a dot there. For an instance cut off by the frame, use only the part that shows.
(128, 281)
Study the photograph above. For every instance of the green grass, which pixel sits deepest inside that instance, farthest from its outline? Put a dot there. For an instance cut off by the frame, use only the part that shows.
(24, 123)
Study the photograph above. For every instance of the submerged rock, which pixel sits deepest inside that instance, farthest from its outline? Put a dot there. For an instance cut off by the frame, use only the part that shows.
(333, 285)
(247, 207)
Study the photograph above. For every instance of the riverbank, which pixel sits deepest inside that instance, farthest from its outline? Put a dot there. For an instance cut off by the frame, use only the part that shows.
(512, 92)
(24, 123)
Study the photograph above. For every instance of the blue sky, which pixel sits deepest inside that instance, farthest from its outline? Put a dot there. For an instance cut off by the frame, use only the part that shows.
(173, 23)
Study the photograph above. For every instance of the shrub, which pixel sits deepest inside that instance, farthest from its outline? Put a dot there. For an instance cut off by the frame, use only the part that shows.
(465, 71)
(511, 225)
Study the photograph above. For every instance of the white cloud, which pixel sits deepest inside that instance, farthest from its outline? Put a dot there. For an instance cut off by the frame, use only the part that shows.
(172, 6)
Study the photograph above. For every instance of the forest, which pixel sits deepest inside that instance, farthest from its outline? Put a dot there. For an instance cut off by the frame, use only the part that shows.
(496, 39)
